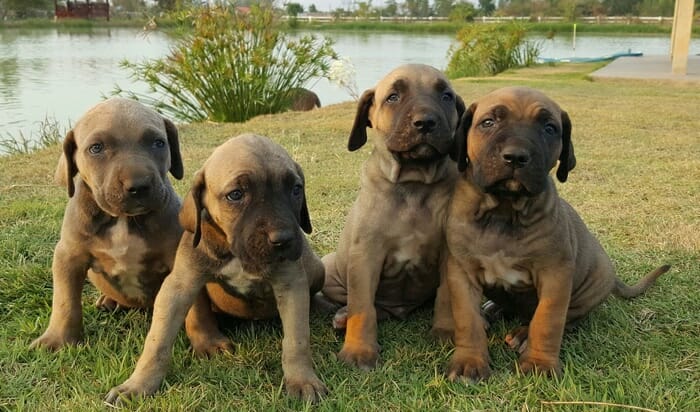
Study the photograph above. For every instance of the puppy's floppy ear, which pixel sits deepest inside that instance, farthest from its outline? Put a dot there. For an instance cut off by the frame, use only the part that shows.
(304, 218)
(191, 213)
(459, 146)
(358, 134)
(567, 160)
(67, 168)
(461, 107)
(176, 168)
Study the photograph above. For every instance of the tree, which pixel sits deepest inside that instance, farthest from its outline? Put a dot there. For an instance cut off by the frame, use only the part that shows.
(312, 9)
(443, 8)
(24, 8)
(417, 8)
(486, 7)
(622, 7)
(364, 9)
(390, 9)
(293, 9)
(174, 5)
(462, 12)
(128, 5)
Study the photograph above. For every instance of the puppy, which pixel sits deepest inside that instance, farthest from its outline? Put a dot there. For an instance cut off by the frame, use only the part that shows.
(120, 227)
(513, 239)
(243, 253)
(388, 258)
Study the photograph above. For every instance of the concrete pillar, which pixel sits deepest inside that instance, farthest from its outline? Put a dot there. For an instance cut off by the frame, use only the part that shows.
(680, 40)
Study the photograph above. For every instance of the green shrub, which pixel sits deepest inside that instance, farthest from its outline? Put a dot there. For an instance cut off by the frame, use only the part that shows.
(230, 67)
(488, 49)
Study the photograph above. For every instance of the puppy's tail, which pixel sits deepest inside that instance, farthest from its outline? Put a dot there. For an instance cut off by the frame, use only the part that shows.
(625, 291)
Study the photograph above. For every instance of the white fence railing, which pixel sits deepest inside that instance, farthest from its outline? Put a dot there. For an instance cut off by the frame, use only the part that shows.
(326, 18)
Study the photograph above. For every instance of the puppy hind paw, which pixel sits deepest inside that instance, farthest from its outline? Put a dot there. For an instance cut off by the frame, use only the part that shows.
(340, 319)
(320, 303)
(516, 339)
(107, 304)
(549, 368)
(207, 348)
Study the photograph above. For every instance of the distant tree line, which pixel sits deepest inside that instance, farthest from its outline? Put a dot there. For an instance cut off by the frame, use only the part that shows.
(462, 9)
(453, 9)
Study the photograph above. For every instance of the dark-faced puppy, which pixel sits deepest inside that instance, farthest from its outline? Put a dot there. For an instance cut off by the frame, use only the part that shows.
(513, 239)
(243, 253)
(388, 258)
(120, 227)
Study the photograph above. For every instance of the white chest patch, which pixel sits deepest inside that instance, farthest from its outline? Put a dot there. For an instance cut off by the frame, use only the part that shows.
(234, 276)
(126, 252)
(501, 270)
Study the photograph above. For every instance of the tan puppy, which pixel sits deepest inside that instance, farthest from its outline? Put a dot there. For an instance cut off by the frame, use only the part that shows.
(388, 258)
(120, 227)
(243, 245)
(512, 238)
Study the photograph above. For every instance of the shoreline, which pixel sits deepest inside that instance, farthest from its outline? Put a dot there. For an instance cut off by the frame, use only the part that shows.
(418, 27)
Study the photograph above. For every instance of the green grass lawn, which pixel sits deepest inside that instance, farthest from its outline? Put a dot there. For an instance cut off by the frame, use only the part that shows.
(636, 184)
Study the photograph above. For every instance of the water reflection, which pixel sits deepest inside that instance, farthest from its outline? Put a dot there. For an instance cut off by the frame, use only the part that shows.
(61, 72)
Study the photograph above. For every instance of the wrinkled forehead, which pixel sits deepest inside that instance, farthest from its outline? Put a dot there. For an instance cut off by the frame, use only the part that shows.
(118, 116)
(413, 77)
(257, 158)
(518, 102)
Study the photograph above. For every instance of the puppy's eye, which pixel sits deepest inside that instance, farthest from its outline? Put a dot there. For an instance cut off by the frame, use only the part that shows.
(393, 98)
(447, 97)
(158, 144)
(550, 129)
(96, 148)
(486, 123)
(297, 190)
(234, 195)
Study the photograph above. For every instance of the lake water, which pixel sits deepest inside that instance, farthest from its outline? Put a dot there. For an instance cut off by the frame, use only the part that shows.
(59, 74)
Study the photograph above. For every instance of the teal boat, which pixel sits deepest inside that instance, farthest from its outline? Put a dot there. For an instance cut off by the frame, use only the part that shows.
(589, 59)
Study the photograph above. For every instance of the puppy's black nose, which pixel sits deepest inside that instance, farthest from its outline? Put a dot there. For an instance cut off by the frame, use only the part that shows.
(516, 157)
(280, 239)
(424, 122)
(137, 187)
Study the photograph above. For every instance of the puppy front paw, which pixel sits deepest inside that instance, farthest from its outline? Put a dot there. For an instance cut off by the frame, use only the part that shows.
(546, 366)
(360, 355)
(127, 391)
(471, 368)
(442, 334)
(307, 388)
(54, 341)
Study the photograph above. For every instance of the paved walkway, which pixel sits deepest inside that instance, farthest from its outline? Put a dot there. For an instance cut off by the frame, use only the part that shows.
(648, 67)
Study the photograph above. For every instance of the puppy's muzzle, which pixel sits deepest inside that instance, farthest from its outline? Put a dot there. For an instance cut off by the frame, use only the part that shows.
(268, 245)
(425, 122)
(282, 244)
(515, 156)
(137, 187)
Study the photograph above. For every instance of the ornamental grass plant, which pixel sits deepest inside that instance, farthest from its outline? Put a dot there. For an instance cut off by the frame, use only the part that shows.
(489, 49)
(230, 66)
